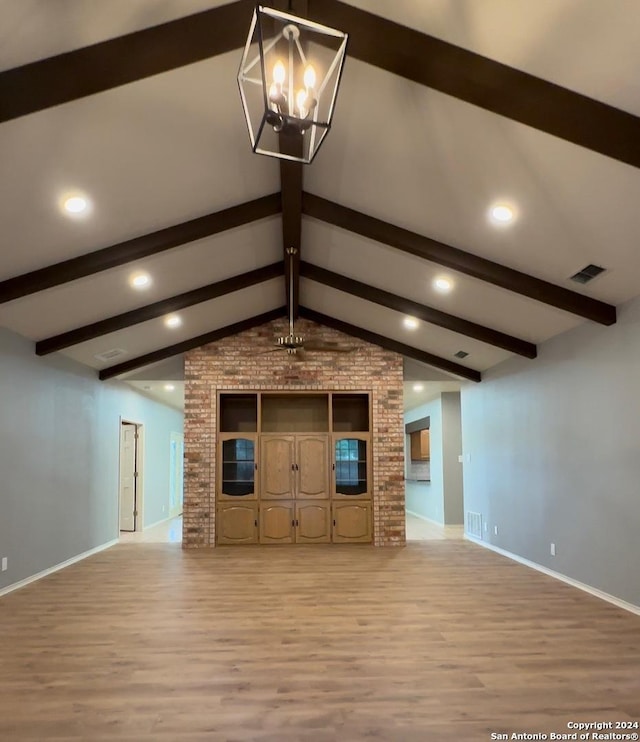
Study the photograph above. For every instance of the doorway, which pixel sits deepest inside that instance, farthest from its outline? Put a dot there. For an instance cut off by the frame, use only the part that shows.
(130, 492)
(176, 474)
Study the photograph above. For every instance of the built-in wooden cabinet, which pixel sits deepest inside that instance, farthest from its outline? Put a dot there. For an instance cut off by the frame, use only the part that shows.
(293, 468)
(237, 523)
(288, 522)
(277, 522)
(351, 522)
(420, 446)
(313, 522)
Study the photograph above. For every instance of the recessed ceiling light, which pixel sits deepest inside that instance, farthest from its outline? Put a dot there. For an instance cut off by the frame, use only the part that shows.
(411, 323)
(173, 320)
(140, 280)
(443, 284)
(418, 388)
(75, 204)
(502, 214)
(169, 387)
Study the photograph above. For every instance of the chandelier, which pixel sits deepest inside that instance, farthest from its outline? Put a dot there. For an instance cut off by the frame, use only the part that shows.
(288, 79)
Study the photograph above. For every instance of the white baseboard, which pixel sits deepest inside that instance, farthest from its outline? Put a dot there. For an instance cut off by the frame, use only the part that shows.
(55, 568)
(559, 576)
(424, 517)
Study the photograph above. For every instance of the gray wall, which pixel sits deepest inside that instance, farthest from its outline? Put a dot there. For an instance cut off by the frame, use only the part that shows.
(451, 450)
(59, 451)
(553, 450)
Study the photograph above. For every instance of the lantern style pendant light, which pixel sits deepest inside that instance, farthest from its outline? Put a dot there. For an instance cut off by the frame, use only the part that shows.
(289, 78)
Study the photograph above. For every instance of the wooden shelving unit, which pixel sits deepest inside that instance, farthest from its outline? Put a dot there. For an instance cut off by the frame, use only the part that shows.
(293, 468)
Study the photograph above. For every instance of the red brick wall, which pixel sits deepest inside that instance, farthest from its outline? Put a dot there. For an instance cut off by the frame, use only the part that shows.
(236, 363)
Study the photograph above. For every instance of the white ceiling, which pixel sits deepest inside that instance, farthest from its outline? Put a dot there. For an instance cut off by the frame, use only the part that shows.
(173, 147)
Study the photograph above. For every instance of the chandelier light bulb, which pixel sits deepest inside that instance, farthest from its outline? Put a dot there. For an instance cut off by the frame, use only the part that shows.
(309, 77)
(301, 100)
(279, 73)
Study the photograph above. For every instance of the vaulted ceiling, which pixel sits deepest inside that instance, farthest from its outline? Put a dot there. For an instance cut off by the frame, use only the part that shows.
(446, 108)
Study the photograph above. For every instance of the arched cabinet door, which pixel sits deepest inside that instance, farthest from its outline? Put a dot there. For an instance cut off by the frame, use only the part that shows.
(312, 466)
(351, 522)
(313, 521)
(277, 522)
(277, 479)
(237, 466)
(237, 523)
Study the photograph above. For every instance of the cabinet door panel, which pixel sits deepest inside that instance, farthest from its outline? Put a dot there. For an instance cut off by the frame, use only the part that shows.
(236, 467)
(351, 467)
(276, 523)
(236, 524)
(313, 522)
(352, 522)
(312, 466)
(276, 456)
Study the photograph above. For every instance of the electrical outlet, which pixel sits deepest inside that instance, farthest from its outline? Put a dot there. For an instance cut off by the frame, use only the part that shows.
(553, 549)
(164, 507)
(5, 564)
(460, 459)
(495, 530)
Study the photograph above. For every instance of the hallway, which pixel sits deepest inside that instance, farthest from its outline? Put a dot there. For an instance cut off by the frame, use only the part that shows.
(419, 529)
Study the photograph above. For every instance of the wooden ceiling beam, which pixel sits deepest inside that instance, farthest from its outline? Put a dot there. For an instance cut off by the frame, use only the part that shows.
(458, 260)
(483, 82)
(125, 59)
(158, 309)
(196, 342)
(392, 345)
(420, 311)
(139, 247)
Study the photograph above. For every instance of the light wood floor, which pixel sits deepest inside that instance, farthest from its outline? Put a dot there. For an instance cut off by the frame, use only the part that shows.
(419, 529)
(438, 641)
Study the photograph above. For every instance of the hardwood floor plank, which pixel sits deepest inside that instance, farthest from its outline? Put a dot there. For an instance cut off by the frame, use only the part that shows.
(441, 640)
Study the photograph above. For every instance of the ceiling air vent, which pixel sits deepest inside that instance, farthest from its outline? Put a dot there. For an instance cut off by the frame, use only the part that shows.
(588, 273)
(461, 354)
(109, 355)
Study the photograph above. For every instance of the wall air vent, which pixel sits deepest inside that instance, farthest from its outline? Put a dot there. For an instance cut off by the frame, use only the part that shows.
(461, 354)
(109, 355)
(588, 273)
(474, 524)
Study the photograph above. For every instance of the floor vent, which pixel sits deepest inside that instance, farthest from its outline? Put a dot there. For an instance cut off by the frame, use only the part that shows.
(588, 273)
(109, 355)
(461, 354)
(474, 524)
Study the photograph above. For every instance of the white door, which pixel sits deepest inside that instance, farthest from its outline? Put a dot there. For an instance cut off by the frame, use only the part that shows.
(128, 439)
